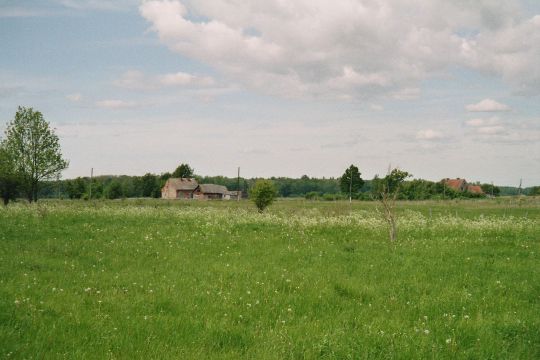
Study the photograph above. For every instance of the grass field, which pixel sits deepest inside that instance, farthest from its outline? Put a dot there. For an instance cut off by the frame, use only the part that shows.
(217, 280)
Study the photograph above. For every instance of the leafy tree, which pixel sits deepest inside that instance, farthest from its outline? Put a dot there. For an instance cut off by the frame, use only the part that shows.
(263, 194)
(9, 180)
(150, 185)
(34, 148)
(351, 182)
(490, 189)
(534, 191)
(76, 188)
(114, 190)
(183, 171)
(386, 190)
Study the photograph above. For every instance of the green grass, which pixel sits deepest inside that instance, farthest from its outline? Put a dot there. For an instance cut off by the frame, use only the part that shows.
(217, 280)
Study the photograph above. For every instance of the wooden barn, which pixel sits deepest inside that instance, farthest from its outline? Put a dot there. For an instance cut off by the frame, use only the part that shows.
(211, 192)
(184, 188)
(179, 188)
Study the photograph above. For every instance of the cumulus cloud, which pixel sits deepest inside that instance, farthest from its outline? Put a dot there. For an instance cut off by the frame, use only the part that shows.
(430, 134)
(487, 105)
(137, 80)
(115, 104)
(74, 97)
(350, 49)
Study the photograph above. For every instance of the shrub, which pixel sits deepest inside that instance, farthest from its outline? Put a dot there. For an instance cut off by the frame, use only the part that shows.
(263, 194)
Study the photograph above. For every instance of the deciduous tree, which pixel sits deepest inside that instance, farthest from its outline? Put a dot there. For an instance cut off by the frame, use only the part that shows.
(263, 194)
(183, 171)
(386, 190)
(351, 182)
(9, 180)
(35, 150)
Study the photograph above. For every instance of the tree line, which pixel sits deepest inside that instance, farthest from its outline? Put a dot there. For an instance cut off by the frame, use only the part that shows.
(31, 163)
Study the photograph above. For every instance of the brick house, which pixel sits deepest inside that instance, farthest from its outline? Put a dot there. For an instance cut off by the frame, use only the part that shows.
(462, 185)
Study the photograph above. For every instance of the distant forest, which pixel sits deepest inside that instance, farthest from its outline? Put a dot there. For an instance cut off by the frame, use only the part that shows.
(149, 185)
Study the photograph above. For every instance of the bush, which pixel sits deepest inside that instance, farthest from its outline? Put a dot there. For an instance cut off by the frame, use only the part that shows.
(312, 195)
(114, 190)
(263, 194)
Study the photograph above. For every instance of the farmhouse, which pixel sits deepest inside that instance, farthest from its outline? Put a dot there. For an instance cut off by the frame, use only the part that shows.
(187, 188)
(462, 185)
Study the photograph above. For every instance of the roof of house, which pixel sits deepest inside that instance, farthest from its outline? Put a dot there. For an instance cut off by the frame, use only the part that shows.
(475, 189)
(213, 189)
(182, 183)
(455, 183)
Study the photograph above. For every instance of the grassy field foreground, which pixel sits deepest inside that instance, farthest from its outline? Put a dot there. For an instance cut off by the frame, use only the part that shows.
(150, 279)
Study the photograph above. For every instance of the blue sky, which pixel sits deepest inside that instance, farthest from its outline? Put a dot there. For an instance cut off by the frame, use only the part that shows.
(440, 89)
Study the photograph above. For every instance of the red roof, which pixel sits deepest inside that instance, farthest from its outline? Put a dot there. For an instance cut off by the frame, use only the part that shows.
(475, 189)
(456, 184)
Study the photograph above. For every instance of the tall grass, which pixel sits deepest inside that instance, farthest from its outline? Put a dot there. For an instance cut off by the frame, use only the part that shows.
(158, 279)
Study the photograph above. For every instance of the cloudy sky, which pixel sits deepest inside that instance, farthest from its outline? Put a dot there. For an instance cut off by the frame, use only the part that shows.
(439, 88)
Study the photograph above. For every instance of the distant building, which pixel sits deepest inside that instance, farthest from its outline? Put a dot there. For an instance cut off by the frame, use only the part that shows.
(462, 185)
(184, 188)
(179, 188)
(211, 191)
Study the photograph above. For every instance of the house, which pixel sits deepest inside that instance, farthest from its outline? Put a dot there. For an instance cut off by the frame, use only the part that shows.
(462, 185)
(187, 188)
(211, 191)
(179, 188)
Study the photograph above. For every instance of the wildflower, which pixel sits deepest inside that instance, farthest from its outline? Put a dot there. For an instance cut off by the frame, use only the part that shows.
(448, 341)
(426, 332)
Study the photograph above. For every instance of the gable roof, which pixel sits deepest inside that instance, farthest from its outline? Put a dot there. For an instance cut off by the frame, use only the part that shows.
(475, 189)
(213, 189)
(182, 183)
(457, 184)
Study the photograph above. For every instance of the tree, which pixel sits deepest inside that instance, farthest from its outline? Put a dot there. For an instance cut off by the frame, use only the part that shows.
(490, 189)
(9, 180)
(150, 185)
(76, 188)
(263, 194)
(114, 190)
(35, 150)
(386, 190)
(351, 182)
(183, 171)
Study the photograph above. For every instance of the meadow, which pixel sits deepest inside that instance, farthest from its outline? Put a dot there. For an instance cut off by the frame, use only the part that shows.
(217, 280)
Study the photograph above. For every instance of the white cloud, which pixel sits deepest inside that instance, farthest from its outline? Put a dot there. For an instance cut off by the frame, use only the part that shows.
(74, 97)
(478, 122)
(137, 80)
(115, 104)
(487, 105)
(105, 5)
(429, 134)
(349, 49)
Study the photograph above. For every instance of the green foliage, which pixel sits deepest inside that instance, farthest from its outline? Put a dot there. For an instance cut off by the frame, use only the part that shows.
(390, 185)
(9, 179)
(490, 189)
(150, 186)
(76, 188)
(152, 279)
(34, 148)
(114, 190)
(351, 182)
(263, 194)
(183, 171)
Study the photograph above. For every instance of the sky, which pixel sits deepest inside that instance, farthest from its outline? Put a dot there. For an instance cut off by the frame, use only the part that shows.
(281, 88)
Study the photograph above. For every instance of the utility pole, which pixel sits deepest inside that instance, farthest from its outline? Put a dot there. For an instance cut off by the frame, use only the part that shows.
(350, 185)
(238, 185)
(519, 189)
(492, 190)
(91, 177)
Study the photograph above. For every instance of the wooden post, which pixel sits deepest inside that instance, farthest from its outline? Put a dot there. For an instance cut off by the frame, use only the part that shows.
(238, 186)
